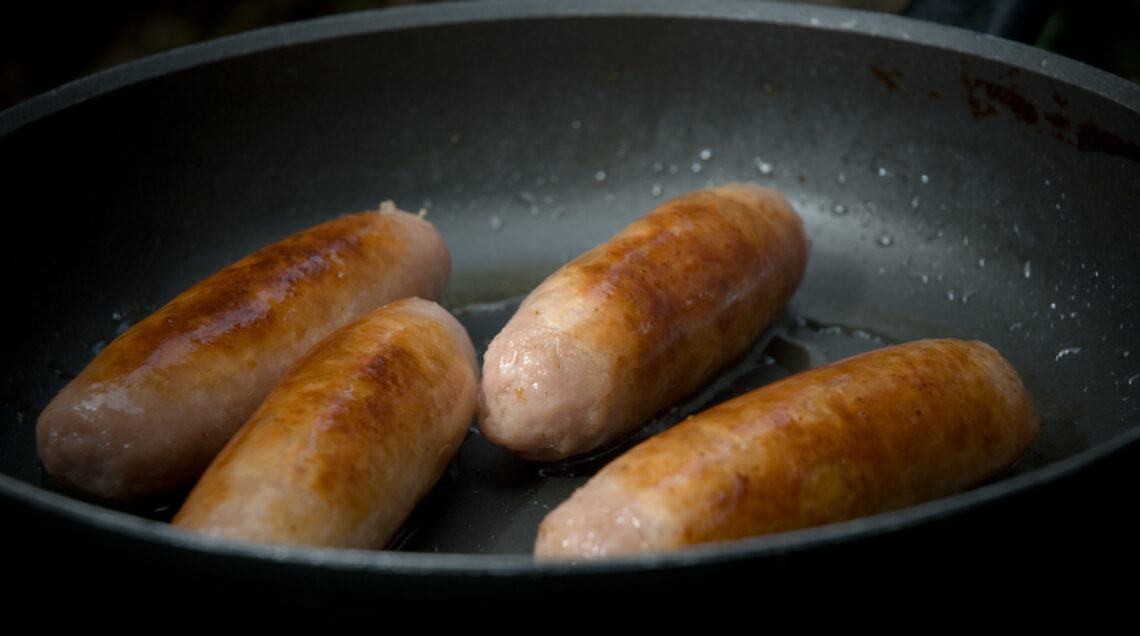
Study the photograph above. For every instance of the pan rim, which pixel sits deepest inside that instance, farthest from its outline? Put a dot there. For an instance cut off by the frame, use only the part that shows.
(455, 12)
(884, 26)
(469, 565)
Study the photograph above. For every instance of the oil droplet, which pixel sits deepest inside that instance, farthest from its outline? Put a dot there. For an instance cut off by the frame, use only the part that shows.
(575, 124)
(526, 197)
(839, 209)
(842, 178)
(883, 172)
(924, 179)
(764, 167)
(706, 154)
(696, 167)
(600, 176)
(884, 240)
(1027, 270)
(1067, 351)
(656, 189)
(496, 222)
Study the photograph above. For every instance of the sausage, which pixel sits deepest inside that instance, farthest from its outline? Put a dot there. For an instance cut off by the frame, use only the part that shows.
(354, 435)
(639, 322)
(872, 433)
(152, 409)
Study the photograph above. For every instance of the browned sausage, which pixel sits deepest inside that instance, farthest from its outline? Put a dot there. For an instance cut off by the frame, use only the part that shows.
(873, 433)
(350, 440)
(153, 408)
(634, 325)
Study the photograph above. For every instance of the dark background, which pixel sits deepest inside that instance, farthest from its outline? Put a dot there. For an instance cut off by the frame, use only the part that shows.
(45, 45)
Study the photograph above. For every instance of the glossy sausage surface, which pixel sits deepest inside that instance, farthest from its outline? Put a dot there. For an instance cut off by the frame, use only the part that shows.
(873, 433)
(350, 440)
(634, 325)
(153, 408)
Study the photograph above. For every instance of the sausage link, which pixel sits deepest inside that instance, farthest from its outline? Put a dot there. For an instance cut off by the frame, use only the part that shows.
(637, 323)
(873, 433)
(148, 414)
(348, 442)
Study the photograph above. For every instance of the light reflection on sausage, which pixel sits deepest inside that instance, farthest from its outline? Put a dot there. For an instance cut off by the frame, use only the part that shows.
(153, 408)
(348, 442)
(872, 433)
(636, 324)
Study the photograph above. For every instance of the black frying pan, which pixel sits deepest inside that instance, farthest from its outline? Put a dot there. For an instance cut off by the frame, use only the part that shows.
(953, 184)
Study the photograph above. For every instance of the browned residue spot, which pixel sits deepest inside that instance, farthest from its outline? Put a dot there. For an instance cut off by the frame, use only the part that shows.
(984, 98)
(1094, 138)
(889, 77)
(995, 94)
(1057, 120)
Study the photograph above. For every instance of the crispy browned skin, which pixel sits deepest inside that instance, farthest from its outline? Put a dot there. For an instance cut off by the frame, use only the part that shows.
(873, 433)
(637, 323)
(350, 440)
(153, 408)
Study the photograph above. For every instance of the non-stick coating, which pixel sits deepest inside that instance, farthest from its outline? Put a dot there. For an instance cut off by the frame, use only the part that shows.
(952, 184)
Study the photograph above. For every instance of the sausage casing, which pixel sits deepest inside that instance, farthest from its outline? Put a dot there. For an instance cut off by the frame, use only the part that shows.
(350, 440)
(872, 433)
(637, 323)
(153, 408)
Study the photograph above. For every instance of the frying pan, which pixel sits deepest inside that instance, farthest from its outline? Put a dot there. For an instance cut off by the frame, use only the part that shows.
(953, 184)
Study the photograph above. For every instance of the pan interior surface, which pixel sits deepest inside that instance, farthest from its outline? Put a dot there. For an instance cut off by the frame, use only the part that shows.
(952, 185)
